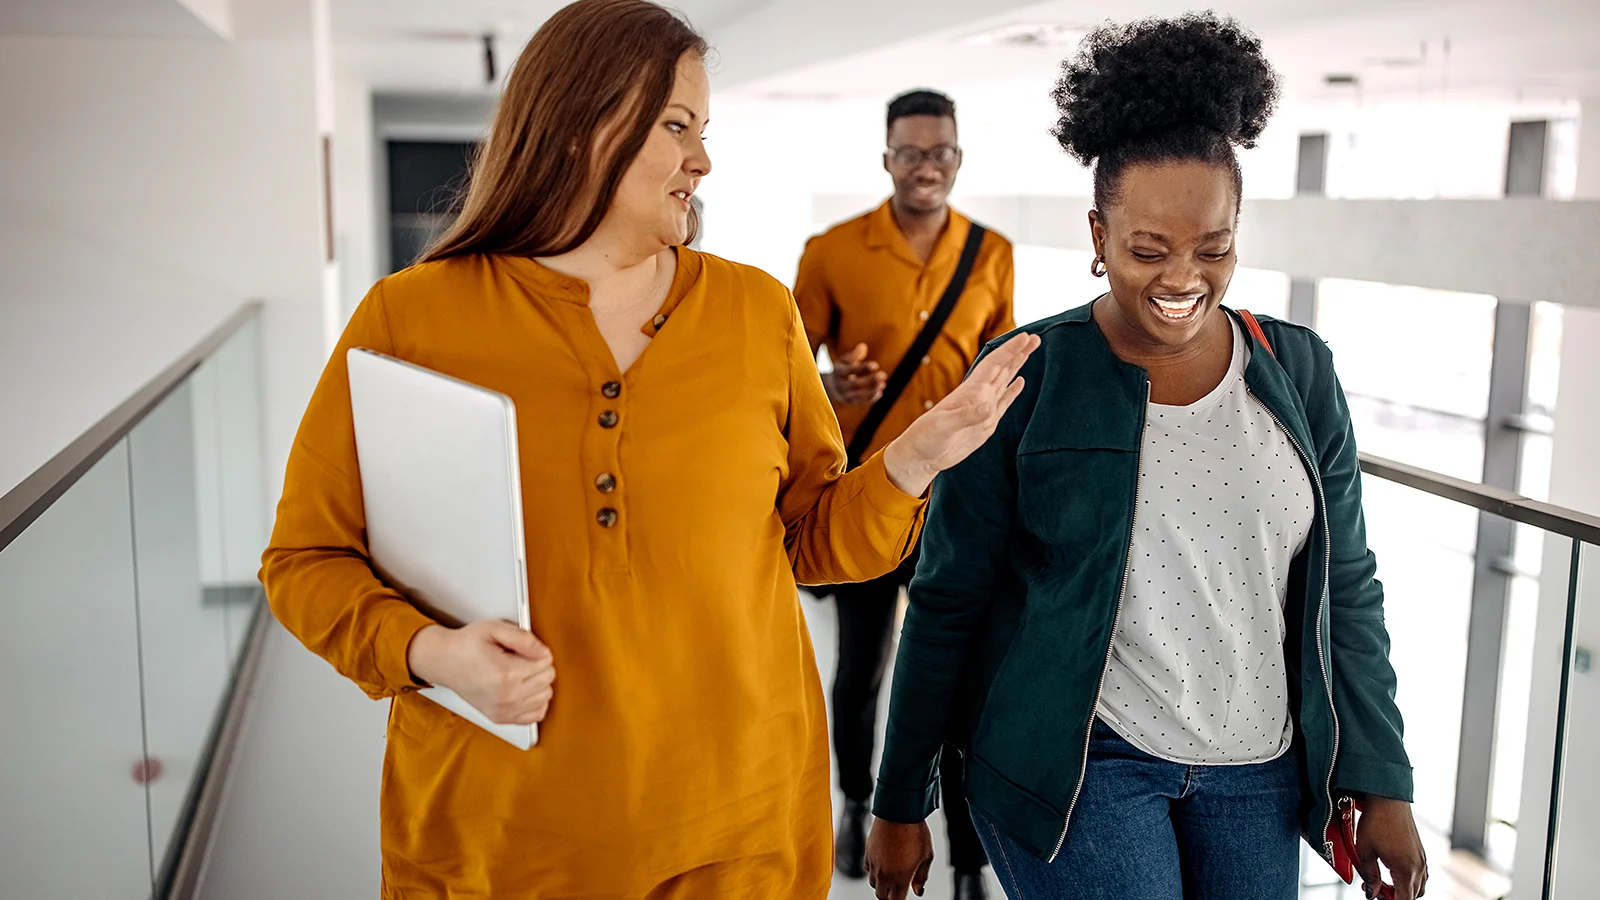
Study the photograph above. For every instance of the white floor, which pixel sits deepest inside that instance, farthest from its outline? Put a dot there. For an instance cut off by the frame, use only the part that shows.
(300, 817)
(824, 629)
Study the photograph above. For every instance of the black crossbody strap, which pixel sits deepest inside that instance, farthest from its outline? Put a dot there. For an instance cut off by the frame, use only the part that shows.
(919, 348)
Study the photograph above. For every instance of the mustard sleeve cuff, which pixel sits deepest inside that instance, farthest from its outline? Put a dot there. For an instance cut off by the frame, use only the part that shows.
(882, 493)
(398, 626)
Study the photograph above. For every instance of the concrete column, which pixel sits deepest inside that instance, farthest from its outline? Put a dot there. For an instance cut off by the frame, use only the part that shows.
(1310, 180)
(1491, 584)
(1574, 482)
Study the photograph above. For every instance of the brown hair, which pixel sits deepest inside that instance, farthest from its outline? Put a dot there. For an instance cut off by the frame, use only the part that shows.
(576, 111)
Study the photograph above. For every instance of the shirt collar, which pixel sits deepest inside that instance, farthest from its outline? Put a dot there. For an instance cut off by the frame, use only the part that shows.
(884, 234)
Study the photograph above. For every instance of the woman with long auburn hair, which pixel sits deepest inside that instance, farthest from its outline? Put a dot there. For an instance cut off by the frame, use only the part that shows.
(681, 467)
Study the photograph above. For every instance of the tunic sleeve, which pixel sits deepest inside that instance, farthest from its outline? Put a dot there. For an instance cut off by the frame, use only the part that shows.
(838, 527)
(318, 576)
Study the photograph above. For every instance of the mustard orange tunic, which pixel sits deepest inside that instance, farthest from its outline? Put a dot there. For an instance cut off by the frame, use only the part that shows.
(685, 753)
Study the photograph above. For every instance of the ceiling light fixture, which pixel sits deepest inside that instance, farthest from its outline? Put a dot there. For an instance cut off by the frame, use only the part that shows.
(781, 96)
(1395, 62)
(1025, 34)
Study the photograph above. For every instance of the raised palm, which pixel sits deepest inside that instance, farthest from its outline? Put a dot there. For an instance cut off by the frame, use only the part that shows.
(959, 424)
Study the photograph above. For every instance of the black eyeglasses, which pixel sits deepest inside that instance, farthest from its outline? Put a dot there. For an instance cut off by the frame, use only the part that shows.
(911, 157)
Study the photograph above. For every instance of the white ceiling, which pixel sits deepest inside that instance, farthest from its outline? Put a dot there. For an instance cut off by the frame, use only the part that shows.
(437, 45)
(1507, 49)
(100, 18)
(361, 20)
(1533, 50)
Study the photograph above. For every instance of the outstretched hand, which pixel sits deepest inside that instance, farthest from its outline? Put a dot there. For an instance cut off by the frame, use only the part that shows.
(962, 421)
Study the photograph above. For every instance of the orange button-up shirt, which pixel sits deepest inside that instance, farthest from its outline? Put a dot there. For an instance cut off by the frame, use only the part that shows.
(861, 283)
(685, 753)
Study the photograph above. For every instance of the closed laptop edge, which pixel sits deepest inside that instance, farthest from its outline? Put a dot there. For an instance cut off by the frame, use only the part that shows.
(441, 490)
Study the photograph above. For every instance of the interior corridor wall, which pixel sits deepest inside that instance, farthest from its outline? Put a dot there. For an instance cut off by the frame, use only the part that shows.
(149, 187)
(357, 185)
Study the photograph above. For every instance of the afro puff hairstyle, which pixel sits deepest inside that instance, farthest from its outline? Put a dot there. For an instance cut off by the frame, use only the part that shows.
(1163, 90)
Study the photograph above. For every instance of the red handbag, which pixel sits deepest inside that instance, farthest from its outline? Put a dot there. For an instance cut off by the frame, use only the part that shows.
(1342, 829)
(1342, 835)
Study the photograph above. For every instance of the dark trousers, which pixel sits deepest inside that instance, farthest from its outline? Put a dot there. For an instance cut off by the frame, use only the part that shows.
(866, 633)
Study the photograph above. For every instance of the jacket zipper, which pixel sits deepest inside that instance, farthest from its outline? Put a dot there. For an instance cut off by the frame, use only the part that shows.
(1322, 654)
(1127, 572)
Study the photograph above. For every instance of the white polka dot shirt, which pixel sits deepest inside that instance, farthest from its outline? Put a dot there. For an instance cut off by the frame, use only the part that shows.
(1196, 673)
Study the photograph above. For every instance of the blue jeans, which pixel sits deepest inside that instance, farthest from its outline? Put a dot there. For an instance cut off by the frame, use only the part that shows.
(1148, 829)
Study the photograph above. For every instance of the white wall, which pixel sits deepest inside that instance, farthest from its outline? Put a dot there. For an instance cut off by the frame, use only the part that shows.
(148, 188)
(357, 226)
(363, 124)
(1419, 148)
(777, 37)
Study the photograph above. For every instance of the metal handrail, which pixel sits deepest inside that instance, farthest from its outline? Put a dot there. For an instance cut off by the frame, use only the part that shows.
(25, 503)
(1582, 528)
(1506, 504)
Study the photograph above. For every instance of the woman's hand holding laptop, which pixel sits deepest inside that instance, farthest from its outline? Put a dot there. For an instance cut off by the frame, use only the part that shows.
(500, 669)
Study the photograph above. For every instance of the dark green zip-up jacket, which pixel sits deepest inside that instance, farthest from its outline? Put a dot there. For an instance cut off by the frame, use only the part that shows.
(1024, 562)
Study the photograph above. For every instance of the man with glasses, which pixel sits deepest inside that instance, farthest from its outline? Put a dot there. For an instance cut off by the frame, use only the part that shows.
(904, 297)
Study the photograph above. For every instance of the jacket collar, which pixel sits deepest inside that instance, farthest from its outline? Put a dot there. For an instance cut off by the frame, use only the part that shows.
(1110, 414)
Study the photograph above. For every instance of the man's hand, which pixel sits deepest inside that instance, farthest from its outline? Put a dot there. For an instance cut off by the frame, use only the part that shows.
(855, 379)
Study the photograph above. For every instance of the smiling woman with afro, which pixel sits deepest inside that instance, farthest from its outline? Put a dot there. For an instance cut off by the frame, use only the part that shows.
(1145, 612)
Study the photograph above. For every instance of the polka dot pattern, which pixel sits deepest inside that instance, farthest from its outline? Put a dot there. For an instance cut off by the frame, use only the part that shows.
(1197, 673)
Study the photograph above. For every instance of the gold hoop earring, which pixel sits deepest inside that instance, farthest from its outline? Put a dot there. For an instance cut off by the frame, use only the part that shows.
(1098, 267)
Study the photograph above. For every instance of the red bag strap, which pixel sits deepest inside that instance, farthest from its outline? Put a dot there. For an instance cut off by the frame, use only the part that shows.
(1255, 329)
(1342, 837)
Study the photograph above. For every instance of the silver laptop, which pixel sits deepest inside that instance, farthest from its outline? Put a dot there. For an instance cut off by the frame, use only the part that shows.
(439, 478)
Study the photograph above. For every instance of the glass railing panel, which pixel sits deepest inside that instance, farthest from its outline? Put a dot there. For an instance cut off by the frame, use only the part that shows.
(72, 774)
(1535, 549)
(241, 515)
(1424, 546)
(1576, 869)
(183, 636)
